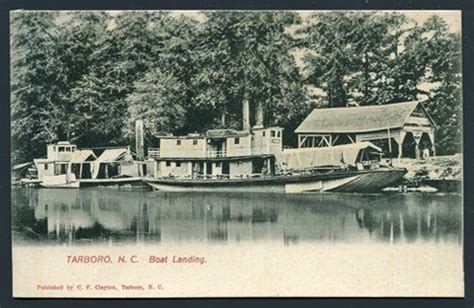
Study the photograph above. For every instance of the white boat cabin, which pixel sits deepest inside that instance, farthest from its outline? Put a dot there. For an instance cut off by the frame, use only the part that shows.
(64, 158)
(57, 160)
(217, 153)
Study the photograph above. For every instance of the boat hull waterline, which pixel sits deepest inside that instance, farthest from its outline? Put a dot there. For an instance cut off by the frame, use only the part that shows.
(63, 185)
(118, 183)
(344, 181)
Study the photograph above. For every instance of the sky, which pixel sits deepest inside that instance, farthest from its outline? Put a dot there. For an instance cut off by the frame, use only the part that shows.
(452, 18)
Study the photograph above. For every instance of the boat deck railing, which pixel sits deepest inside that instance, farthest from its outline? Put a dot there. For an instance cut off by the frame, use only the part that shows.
(214, 177)
(216, 153)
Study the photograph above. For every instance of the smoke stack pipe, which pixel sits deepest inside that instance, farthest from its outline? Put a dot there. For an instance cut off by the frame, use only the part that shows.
(224, 116)
(246, 114)
(259, 115)
(139, 140)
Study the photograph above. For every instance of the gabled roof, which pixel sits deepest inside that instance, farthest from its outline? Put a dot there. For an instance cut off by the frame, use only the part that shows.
(359, 119)
(80, 156)
(112, 155)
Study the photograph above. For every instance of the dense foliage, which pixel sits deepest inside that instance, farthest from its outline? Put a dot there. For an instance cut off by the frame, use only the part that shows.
(87, 76)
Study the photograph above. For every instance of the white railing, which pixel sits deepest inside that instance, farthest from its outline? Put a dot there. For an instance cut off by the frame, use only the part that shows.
(154, 152)
(209, 153)
(215, 153)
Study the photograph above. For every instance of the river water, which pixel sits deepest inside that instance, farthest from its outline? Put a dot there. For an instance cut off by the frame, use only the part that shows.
(98, 217)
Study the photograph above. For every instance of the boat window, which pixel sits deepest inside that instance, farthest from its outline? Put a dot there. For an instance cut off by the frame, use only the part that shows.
(218, 165)
(60, 149)
(263, 133)
(168, 164)
(273, 133)
(68, 149)
(278, 134)
(45, 166)
(54, 148)
(195, 142)
(178, 164)
(178, 142)
(237, 140)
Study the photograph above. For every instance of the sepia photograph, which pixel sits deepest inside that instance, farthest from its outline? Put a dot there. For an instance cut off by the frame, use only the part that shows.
(174, 153)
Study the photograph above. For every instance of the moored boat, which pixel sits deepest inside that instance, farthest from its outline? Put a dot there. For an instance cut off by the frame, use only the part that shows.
(445, 185)
(66, 166)
(334, 180)
(59, 181)
(255, 161)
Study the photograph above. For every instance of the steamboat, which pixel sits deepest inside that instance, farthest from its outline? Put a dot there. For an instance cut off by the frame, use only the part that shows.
(255, 161)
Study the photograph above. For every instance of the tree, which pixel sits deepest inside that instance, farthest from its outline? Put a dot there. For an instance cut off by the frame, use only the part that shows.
(162, 94)
(123, 50)
(379, 58)
(34, 91)
(354, 56)
(243, 56)
(157, 99)
(440, 52)
(329, 37)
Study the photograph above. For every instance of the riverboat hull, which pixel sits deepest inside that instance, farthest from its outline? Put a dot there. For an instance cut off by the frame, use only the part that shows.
(132, 183)
(126, 183)
(63, 185)
(336, 181)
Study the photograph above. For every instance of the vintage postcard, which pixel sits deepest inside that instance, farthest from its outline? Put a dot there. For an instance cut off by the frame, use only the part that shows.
(236, 153)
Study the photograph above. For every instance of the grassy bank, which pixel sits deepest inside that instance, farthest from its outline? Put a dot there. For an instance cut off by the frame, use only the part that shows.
(435, 168)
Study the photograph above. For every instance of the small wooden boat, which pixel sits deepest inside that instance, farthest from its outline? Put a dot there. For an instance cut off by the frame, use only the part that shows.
(65, 185)
(30, 182)
(445, 185)
(60, 181)
(334, 180)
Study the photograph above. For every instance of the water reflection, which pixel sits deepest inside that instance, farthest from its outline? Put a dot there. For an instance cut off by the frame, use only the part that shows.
(115, 217)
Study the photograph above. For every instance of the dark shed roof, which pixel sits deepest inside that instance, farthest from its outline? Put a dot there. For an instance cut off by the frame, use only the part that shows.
(358, 119)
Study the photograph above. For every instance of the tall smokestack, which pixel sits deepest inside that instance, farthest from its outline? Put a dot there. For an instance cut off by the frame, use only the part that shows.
(139, 140)
(259, 115)
(224, 116)
(246, 114)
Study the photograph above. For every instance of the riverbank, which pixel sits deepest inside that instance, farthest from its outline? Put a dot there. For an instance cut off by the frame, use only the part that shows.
(442, 172)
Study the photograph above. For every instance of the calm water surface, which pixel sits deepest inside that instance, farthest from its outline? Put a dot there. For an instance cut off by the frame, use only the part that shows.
(93, 216)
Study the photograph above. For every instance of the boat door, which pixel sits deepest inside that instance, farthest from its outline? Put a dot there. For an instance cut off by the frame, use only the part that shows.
(209, 168)
(225, 168)
(272, 166)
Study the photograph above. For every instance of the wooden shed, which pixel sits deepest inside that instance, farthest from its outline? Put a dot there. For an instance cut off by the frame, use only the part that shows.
(400, 129)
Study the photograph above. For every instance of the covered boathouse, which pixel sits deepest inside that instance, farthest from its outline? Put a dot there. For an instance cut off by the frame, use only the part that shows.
(400, 129)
